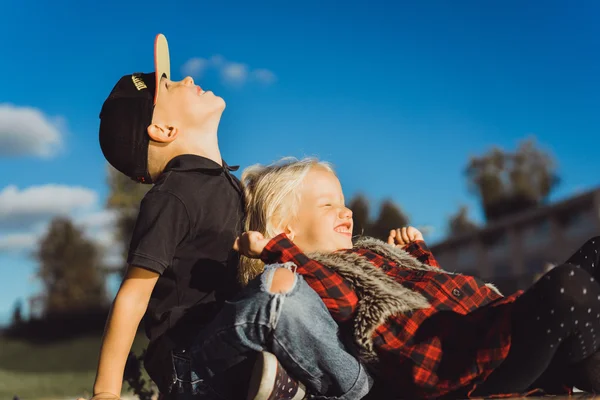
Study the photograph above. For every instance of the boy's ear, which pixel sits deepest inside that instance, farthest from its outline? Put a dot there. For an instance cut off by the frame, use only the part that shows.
(162, 133)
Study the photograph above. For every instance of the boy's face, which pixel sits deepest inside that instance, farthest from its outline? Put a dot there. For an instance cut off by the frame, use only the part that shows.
(323, 223)
(185, 105)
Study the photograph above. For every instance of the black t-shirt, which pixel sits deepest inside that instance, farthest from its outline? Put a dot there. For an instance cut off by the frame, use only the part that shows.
(185, 232)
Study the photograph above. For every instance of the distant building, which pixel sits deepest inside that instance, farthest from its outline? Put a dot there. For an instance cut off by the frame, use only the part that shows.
(513, 251)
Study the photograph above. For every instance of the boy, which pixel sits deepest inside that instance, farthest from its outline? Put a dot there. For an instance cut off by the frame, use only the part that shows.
(157, 131)
(182, 266)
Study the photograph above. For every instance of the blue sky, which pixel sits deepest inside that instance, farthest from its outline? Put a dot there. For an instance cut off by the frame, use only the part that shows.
(397, 95)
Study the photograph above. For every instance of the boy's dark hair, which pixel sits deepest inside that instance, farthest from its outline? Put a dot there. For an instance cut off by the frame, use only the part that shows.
(127, 113)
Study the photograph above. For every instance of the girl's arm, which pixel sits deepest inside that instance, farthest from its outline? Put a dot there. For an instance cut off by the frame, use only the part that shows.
(410, 239)
(336, 293)
(421, 252)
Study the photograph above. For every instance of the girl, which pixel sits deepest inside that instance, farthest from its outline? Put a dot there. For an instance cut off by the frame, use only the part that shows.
(424, 332)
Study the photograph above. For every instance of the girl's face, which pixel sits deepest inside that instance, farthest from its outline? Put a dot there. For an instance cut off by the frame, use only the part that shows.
(322, 223)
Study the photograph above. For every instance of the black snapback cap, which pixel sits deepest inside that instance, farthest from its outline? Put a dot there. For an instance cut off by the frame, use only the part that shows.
(127, 113)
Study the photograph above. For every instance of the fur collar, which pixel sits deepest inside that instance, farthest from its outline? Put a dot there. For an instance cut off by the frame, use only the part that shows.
(380, 297)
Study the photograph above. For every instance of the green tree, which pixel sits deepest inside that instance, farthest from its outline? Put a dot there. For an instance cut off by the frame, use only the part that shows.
(390, 216)
(360, 214)
(69, 267)
(510, 182)
(460, 223)
(17, 315)
(124, 198)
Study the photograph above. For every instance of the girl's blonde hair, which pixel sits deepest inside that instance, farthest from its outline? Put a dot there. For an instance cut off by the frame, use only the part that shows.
(272, 198)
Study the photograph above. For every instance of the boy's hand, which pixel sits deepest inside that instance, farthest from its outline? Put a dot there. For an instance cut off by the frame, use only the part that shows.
(403, 236)
(250, 244)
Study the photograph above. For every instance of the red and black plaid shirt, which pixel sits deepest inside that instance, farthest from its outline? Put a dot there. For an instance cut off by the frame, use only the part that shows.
(448, 347)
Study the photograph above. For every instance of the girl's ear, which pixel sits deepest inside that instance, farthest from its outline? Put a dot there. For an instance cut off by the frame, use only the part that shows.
(289, 231)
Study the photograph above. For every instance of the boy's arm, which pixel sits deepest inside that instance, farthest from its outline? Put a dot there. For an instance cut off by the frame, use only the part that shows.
(336, 293)
(162, 223)
(126, 313)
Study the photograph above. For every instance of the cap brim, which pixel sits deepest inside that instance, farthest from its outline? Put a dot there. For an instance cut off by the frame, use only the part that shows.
(162, 62)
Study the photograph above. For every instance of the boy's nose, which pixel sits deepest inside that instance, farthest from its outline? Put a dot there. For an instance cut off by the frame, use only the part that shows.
(188, 80)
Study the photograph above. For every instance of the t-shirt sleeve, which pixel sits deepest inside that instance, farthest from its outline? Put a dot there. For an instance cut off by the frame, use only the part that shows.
(162, 224)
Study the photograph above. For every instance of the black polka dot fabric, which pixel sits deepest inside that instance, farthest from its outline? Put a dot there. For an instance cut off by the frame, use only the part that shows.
(555, 330)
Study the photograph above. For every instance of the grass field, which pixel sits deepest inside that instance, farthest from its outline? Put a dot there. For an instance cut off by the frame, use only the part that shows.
(65, 370)
(58, 371)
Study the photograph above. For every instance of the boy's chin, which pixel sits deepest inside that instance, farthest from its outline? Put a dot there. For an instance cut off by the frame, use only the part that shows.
(217, 104)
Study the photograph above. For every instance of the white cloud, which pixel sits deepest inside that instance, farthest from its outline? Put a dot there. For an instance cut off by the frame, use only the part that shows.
(26, 131)
(194, 66)
(100, 227)
(427, 230)
(107, 241)
(104, 237)
(217, 60)
(25, 215)
(37, 204)
(232, 73)
(98, 220)
(264, 76)
(18, 242)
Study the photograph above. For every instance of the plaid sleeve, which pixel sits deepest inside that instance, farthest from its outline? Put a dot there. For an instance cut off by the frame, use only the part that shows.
(421, 252)
(336, 293)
